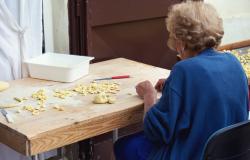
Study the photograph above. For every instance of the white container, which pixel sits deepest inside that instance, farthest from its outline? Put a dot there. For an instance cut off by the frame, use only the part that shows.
(58, 67)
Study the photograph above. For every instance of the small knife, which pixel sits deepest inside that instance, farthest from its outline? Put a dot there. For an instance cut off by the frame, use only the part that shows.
(114, 77)
(7, 116)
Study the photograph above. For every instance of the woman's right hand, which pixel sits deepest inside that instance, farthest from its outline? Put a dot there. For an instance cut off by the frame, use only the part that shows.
(159, 85)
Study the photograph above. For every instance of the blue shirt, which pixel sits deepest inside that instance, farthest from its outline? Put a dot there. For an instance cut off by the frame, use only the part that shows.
(202, 94)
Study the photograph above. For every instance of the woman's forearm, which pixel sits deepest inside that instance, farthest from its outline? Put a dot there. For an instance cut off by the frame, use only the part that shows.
(149, 101)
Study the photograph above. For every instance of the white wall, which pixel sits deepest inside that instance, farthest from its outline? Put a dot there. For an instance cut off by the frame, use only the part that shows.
(236, 18)
(48, 26)
(56, 26)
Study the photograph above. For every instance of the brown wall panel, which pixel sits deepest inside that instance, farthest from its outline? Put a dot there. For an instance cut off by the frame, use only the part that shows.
(133, 29)
(144, 41)
(117, 11)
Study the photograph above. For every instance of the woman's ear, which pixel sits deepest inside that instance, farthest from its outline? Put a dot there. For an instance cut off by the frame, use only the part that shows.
(179, 46)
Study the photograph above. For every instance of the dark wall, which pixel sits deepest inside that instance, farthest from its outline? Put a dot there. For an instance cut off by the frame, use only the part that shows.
(133, 29)
(130, 29)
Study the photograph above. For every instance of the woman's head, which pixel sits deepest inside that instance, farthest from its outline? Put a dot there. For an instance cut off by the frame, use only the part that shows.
(194, 26)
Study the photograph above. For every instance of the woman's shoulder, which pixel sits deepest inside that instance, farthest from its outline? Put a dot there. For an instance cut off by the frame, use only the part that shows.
(230, 57)
(208, 56)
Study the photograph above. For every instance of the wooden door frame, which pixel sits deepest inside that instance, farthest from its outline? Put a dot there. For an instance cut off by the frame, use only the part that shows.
(77, 27)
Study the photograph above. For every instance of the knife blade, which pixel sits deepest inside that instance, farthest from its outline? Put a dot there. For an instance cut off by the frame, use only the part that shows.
(7, 116)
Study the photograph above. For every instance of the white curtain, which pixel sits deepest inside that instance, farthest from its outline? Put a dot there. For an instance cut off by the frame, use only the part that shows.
(20, 38)
(20, 35)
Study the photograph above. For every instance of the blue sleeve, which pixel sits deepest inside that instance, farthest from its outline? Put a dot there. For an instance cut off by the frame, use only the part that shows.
(167, 117)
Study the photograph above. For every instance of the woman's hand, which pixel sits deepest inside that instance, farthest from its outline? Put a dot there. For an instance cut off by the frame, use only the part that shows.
(145, 88)
(159, 85)
(146, 91)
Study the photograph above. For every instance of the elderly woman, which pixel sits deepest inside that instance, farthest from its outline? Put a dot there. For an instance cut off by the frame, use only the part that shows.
(206, 91)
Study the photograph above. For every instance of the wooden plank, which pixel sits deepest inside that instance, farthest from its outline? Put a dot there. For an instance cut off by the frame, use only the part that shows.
(83, 130)
(14, 140)
(235, 45)
(81, 118)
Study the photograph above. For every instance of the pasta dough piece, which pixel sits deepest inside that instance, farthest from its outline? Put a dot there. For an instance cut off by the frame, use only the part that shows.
(111, 100)
(59, 108)
(103, 98)
(8, 105)
(4, 85)
(100, 98)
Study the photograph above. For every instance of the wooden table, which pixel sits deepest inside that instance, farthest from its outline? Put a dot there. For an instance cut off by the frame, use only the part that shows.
(81, 119)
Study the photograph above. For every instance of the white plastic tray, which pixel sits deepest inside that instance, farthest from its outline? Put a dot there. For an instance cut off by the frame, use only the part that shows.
(58, 67)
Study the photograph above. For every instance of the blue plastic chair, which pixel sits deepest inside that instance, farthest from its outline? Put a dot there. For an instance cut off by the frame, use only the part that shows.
(229, 143)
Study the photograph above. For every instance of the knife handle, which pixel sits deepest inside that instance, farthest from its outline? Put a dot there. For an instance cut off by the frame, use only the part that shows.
(120, 77)
(9, 118)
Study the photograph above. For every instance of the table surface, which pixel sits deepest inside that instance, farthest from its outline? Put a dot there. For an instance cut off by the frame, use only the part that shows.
(81, 119)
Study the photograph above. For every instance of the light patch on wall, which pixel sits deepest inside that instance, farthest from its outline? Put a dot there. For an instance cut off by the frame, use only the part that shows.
(56, 26)
(236, 18)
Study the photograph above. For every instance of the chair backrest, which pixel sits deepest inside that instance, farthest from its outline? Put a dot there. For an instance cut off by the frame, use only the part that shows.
(229, 143)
